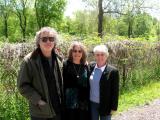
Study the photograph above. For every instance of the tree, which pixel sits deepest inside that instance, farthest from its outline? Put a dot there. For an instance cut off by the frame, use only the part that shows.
(4, 12)
(143, 25)
(129, 8)
(100, 18)
(122, 28)
(48, 10)
(81, 24)
(158, 31)
(20, 7)
(105, 7)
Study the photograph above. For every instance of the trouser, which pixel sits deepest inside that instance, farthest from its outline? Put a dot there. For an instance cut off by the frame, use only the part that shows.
(76, 114)
(58, 117)
(95, 113)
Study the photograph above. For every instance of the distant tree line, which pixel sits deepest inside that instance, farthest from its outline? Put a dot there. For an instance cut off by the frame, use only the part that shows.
(20, 19)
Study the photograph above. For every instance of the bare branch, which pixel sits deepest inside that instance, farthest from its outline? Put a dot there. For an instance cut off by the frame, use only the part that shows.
(114, 12)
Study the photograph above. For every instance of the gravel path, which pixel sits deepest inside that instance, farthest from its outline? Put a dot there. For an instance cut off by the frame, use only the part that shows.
(146, 112)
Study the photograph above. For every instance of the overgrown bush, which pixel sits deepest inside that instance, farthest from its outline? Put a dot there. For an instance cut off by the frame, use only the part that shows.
(138, 62)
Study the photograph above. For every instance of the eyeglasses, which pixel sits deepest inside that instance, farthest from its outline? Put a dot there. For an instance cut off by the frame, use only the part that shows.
(99, 55)
(75, 51)
(45, 39)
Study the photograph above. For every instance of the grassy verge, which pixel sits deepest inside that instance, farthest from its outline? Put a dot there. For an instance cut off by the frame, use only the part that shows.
(139, 96)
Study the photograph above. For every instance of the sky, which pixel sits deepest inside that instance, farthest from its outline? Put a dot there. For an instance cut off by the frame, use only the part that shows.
(74, 5)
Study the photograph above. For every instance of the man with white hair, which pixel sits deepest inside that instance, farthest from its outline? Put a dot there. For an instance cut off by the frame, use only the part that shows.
(104, 85)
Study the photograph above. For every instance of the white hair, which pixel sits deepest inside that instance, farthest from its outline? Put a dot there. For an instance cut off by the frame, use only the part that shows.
(101, 48)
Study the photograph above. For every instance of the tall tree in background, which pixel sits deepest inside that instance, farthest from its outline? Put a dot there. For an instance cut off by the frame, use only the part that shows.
(104, 7)
(143, 25)
(158, 31)
(20, 7)
(100, 18)
(4, 12)
(132, 8)
(48, 10)
(129, 8)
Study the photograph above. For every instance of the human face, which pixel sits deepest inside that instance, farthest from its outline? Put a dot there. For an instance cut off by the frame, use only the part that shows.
(77, 53)
(47, 42)
(101, 58)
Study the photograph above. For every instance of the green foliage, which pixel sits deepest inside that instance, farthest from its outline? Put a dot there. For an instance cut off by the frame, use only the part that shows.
(110, 25)
(92, 40)
(48, 11)
(24, 21)
(143, 25)
(13, 106)
(122, 28)
(139, 96)
(140, 61)
(81, 24)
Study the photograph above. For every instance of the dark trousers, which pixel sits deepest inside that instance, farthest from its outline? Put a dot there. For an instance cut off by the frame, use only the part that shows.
(75, 114)
(55, 118)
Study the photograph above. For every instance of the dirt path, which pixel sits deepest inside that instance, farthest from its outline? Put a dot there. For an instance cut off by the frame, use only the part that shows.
(146, 112)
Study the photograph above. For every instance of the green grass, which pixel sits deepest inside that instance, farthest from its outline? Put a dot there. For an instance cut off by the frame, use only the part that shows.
(139, 96)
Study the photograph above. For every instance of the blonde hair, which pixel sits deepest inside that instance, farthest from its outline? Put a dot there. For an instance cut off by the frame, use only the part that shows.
(84, 53)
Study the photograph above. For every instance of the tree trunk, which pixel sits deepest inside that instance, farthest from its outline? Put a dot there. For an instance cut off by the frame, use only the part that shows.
(158, 32)
(6, 26)
(129, 30)
(37, 14)
(130, 24)
(100, 18)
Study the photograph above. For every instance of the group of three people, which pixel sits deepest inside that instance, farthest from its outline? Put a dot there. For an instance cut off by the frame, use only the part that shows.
(74, 90)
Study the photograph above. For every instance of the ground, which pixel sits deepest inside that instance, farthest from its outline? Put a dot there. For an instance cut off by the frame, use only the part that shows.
(149, 111)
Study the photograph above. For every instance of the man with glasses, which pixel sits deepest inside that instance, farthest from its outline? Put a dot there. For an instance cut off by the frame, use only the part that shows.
(40, 78)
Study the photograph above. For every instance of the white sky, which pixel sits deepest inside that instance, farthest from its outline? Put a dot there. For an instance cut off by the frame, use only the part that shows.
(74, 5)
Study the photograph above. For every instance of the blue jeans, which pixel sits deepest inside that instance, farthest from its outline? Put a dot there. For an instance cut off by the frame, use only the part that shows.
(95, 113)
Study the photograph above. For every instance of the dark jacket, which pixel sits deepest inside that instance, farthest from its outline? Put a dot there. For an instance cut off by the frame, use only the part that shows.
(109, 89)
(32, 85)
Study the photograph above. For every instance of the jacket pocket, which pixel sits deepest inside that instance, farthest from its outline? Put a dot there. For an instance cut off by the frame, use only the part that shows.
(44, 108)
(41, 110)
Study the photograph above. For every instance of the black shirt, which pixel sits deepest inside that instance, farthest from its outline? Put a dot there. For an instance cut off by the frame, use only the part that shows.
(76, 85)
(48, 67)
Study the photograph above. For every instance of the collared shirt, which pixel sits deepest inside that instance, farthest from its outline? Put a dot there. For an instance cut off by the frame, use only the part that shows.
(102, 68)
(94, 83)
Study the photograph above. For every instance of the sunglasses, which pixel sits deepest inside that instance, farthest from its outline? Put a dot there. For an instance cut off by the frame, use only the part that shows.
(75, 51)
(45, 39)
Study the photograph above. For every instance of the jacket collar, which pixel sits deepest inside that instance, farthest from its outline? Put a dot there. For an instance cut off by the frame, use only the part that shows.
(36, 55)
(106, 69)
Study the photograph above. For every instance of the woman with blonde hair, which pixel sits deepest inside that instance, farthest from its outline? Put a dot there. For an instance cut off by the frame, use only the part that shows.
(76, 83)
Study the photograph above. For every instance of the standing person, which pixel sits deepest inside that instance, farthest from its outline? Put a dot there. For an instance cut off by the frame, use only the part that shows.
(76, 83)
(104, 85)
(40, 78)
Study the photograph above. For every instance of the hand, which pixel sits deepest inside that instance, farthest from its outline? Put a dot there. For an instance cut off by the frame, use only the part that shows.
(86, 63)
(41, 102)
(113, 112)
